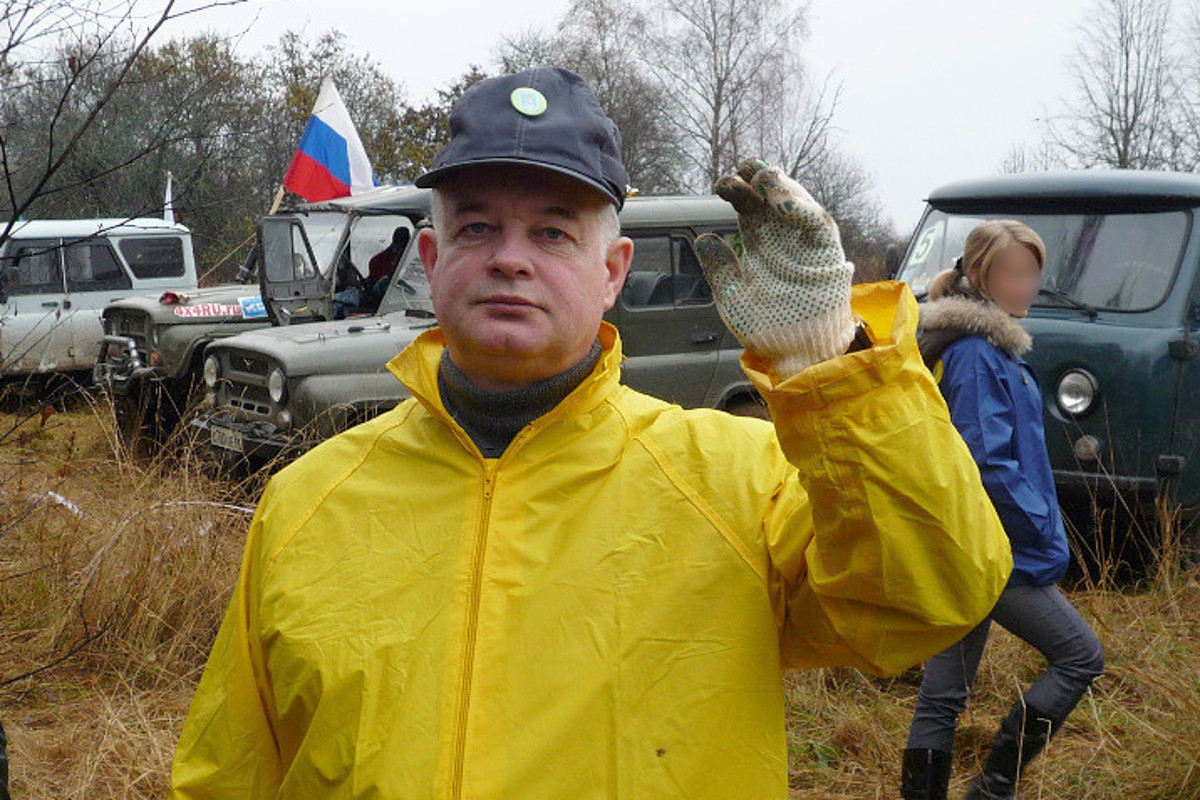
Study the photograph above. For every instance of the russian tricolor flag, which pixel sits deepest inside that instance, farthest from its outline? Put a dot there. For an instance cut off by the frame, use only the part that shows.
(330, 160)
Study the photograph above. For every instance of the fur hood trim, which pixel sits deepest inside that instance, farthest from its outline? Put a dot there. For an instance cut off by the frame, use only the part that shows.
(948, 319)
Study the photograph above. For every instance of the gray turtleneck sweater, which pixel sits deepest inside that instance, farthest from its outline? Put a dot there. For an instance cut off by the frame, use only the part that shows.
(493, 419)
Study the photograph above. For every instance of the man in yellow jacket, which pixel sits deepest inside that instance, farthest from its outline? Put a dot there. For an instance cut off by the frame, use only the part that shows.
(528, 581)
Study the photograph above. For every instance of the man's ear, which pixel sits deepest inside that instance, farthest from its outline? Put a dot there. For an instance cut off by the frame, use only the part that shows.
(427, 248)
(617, 259)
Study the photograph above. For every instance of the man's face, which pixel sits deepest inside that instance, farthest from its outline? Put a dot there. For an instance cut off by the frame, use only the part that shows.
(520, 272)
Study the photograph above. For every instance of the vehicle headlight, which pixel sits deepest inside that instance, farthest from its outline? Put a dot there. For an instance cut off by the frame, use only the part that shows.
(211, 372)
(275, 385)
(1076, 392)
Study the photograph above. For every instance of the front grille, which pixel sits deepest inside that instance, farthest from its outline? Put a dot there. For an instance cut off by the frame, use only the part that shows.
(243, 387)
(249, 405)
(247, 365)
(130, 325)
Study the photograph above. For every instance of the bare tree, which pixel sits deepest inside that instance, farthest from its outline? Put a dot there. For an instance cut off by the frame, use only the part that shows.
(596, 36)
(845, 188)
(426, 128)
(99, 42)
(594, 39)
(1127, 111)
(529, 48)
(1042, 156)
(1187, 133)
(798, 134)
(728, 71)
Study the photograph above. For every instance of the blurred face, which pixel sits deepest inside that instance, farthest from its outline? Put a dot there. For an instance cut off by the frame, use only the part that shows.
(520, 273)
(1013, 280)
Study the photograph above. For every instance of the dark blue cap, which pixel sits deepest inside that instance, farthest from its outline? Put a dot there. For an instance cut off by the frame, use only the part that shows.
(545, 117)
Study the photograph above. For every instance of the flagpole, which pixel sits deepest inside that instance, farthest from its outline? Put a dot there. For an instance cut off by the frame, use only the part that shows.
(169, 201)
(278, 200)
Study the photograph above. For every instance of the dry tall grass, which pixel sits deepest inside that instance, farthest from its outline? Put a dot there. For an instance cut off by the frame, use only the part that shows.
(114, 576)
(113, 579)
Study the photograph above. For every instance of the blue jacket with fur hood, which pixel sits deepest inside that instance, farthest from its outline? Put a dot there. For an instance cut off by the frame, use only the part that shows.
(996, 406)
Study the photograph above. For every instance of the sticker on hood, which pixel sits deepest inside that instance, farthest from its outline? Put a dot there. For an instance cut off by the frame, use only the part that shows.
(253, 307)
(209, 310)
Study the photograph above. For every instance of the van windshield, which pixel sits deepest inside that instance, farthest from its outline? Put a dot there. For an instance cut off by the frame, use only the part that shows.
(1117, 262)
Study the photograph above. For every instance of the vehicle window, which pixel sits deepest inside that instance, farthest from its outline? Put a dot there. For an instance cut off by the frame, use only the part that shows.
(32, 267)
(666, 272)
(287, 257)
(409, 288)
(324, 230)
(1122, 261)
(92, 266)
(691, 288)
(1119, 261)
(154, 257)
(649, 282)
(370, 236)
(935, 247)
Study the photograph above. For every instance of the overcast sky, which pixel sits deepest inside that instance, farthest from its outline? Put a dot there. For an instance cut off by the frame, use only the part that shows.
(933, 90)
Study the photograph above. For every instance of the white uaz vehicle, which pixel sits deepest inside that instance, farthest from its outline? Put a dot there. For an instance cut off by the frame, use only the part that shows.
(56, 276)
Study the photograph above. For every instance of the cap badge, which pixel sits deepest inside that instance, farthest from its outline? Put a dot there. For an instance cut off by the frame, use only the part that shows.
(529, 102)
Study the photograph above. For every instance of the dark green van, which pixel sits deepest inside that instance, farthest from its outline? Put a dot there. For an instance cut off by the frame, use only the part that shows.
(1115, 325)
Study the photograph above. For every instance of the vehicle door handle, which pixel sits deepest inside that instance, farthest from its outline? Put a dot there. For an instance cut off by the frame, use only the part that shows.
(703, 337)
(50, 305)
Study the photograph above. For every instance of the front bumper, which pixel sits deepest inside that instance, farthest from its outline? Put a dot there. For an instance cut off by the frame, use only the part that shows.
(1079, 484)
(120, 369)
(257, 444)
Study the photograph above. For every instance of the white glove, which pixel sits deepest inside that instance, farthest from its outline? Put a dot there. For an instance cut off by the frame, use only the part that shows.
(789, 297)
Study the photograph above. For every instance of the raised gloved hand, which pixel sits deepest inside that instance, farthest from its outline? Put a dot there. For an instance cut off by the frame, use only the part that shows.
(789, 297)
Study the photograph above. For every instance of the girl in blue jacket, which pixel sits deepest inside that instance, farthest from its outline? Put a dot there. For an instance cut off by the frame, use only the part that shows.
(970, 334)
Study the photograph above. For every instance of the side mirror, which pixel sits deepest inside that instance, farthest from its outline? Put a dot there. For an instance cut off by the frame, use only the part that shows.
(891, 260)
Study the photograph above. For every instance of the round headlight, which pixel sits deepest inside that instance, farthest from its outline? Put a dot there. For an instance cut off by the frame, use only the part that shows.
(1076, 392)
(275, 385)
(211, 370)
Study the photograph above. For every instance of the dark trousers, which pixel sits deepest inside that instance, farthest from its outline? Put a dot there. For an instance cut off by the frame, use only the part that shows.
(1039, 615)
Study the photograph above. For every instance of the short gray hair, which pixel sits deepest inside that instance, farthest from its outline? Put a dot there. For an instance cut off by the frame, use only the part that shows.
(610, 224)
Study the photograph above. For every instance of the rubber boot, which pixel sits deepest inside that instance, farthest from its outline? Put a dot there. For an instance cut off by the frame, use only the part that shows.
(925, 774)
(1022, 735)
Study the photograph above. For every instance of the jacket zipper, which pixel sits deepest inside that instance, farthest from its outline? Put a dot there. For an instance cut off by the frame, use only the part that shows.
(472, 620)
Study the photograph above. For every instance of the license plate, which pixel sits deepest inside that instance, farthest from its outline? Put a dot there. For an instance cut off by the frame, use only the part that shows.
(226, 439)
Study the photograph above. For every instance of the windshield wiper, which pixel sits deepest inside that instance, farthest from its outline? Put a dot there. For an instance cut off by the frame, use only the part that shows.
(1063, 297)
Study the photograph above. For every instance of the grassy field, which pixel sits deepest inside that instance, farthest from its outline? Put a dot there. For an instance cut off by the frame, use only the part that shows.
(114, 575)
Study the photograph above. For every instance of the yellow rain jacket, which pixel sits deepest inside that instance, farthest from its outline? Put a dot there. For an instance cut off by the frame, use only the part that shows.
(605, 610)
